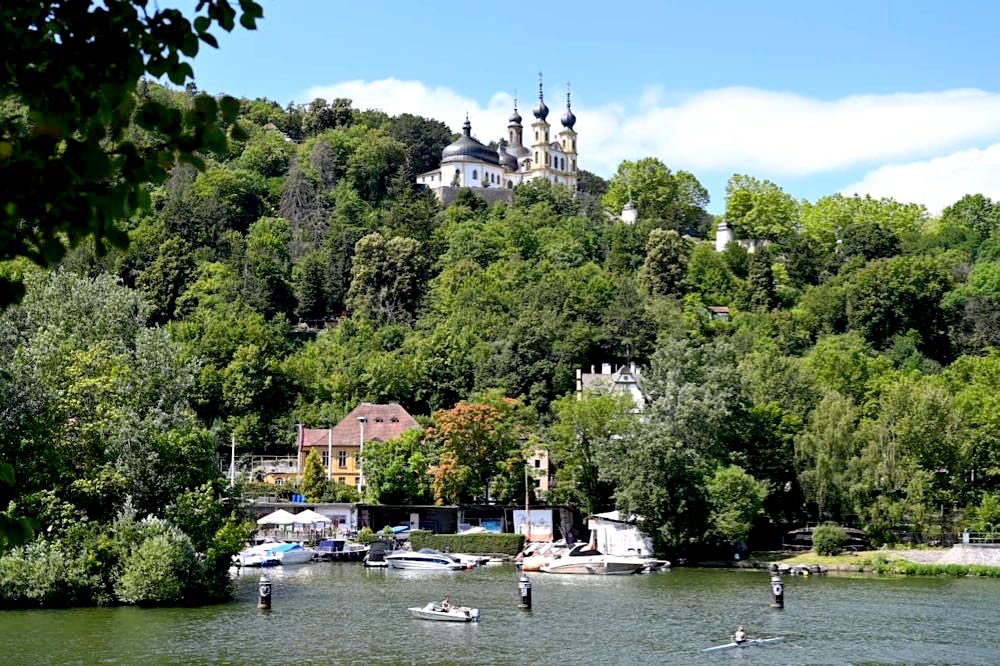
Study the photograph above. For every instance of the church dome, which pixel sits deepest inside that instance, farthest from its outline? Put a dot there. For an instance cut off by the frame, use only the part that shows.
(568, 119)
(542, 111)
(515, 118)
(467, 148)
(507, 161)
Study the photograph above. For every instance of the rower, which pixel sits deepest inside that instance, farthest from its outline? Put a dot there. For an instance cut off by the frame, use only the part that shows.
(740, 636)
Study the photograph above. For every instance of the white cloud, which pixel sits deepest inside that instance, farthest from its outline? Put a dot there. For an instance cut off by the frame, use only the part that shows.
(725, 130)
(937, 182)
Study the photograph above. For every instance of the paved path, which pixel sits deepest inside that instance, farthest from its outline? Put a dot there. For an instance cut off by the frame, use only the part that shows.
(957, 554)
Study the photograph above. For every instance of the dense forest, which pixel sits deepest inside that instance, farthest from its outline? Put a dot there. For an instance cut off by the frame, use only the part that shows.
(300, 271)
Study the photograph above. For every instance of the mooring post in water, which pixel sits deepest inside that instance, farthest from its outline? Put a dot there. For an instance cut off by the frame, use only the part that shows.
(264, 587)
(524, 587)
(777, 592)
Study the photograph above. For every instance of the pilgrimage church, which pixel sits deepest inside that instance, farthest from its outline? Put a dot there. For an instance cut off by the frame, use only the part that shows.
(467, 163)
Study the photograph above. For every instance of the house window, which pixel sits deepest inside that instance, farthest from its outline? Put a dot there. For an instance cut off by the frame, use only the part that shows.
(538, 463)
(394, 419)
(379, 419)
(357, 459)
(326, 459)
(279, 481)
(538, 483)
(342, 459)
(341, 480)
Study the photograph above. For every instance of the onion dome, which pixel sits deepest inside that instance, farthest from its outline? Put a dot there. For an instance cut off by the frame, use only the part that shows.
(542, 111)
(568, 119)
(515, 118)
(467, 148)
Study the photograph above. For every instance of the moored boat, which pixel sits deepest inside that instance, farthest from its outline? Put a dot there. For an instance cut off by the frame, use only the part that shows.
(425, 559)
(582, 559)
(433, 611)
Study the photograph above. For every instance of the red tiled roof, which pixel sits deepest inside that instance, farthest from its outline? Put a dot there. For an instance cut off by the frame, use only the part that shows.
(719, 309)
(385, 422)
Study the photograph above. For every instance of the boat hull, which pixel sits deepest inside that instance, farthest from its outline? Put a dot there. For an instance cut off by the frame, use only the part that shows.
(752, 642)
(431, 612)
(604, 566)
(424, 566)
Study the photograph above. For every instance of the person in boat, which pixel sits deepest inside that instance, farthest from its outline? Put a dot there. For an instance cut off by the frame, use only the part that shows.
(446, 604)
(740, 636)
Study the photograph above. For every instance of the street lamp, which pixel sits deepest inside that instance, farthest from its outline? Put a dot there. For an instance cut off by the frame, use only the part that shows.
(362, 420)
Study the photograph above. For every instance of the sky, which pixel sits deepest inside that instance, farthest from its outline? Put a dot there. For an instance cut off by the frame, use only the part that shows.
(898, 99)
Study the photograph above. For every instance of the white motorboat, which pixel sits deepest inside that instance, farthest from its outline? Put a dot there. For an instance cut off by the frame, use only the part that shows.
(292, 553)
(256, 556)
(581, 559)
(750, 642)
(433, 611)
(426, 559)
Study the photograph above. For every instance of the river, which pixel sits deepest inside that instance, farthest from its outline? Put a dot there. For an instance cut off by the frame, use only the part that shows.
(342, 613)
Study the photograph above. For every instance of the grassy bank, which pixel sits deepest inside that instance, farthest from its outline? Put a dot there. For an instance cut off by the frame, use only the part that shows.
(882, 562)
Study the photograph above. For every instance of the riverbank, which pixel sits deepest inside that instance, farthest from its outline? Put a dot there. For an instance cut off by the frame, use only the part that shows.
(959, 560)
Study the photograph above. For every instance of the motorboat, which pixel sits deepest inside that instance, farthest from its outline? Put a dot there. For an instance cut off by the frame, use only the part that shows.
(750, 642)
(471, 560)
(433, 611)
(537, 555)
(340, 550)
(654, 564)
(256, 556)
(377, 552)
(582, 559)
(292, 553)
(426, 559)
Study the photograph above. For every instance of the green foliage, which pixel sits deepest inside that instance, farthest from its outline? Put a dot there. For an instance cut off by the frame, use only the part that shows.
(735, 499)
(366, 535)
(759, 209)
(313, 477)
(398, 471)
(485, 543)
(158, 570)
(665, 267)
(72, 164)
(676, 200)
(829, 539)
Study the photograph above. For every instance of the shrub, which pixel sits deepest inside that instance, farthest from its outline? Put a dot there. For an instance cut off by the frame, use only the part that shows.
(482, 543)
(366, 535)
(829, 539)
(44, 574)
(158, 570)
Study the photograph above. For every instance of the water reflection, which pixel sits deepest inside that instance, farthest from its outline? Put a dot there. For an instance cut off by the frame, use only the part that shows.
(343, 613)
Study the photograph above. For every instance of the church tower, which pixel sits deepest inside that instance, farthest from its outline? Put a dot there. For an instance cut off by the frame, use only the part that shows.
(514, 128)
(567, 137)
(540, 144)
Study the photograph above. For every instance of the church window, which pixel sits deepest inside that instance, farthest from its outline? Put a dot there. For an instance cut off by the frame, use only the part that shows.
(536, 155)
(574, 144)
(510, 185)
(475, 174)
(562, 163)
(536, 135)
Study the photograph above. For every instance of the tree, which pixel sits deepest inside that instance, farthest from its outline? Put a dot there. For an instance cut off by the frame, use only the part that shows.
(387, 278)
(709, 275)
(974, 211)
(735, 500)
(759, 209)
(665, 267)
(824, 451)
(313, 477)
(583, 426)
(676, 199)
(398, 471)
(70, 161)
(760, 282)
(166, 278)
(310, 286)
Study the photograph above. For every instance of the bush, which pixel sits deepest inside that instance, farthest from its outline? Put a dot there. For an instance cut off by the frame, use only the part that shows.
(366, 535)
(483, 543)
(158, 570)
(44, 574)
(829, 539)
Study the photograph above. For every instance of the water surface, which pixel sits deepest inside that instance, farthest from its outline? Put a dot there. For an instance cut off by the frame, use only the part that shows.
(342, 613)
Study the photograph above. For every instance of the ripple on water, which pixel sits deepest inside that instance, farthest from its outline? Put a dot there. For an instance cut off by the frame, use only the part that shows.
(343, 613)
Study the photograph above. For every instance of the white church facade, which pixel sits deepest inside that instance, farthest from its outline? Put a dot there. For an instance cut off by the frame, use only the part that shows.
(468, 163)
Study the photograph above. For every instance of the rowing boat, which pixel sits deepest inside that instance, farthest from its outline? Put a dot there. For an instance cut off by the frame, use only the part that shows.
(747, 643)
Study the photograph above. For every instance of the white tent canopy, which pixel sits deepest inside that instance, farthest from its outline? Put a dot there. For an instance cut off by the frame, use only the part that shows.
(310, 517)
(279, 517)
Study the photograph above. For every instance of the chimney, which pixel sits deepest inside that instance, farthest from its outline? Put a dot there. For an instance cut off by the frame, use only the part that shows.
(605, 368)
(631, 367)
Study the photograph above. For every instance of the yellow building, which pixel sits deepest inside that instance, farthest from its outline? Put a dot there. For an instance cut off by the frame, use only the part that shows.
(341, 448)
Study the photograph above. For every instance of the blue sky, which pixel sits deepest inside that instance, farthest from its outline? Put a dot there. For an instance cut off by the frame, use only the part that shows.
(893, 99)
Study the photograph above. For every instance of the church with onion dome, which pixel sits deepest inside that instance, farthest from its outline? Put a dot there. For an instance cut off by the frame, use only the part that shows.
(520, 157)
